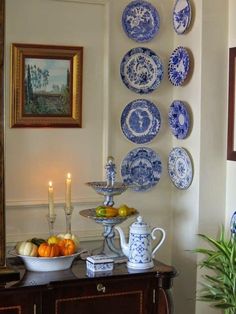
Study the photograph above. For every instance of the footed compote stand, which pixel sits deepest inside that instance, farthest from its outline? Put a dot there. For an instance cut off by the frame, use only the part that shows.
(108, 189)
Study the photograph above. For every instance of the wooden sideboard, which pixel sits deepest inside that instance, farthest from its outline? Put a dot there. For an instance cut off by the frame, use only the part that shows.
(75, 291)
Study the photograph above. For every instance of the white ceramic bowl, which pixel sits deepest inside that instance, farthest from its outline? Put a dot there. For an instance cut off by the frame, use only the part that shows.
(49, 263)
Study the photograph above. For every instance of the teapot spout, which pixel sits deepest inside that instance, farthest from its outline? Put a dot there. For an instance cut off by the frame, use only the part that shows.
(123, 243)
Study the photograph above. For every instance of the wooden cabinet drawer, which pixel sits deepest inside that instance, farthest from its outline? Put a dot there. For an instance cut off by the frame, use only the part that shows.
(24, 302)
(118, 296)
(74, 292)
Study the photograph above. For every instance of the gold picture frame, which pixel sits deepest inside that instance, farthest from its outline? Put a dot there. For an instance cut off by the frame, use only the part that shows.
(46, 86)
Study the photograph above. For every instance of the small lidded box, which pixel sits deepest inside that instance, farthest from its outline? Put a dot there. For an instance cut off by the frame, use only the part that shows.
(99, 263)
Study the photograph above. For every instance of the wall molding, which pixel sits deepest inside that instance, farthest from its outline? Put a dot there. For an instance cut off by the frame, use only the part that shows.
(89, 234)
(30, 204)
(84, 236)
(106, 91)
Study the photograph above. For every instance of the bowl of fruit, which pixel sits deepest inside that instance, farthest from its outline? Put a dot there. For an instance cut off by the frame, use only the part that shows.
(53, 254)
(109, 214)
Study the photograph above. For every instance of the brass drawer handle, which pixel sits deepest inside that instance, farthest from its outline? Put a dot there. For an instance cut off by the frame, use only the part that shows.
(101, 288)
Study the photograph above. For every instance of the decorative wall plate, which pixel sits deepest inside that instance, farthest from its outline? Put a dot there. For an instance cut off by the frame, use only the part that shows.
(140, 121)
(180, 168)
(140, 21)
(141, 70)
(179, 64)
(181, 16)
(141, 168)
(178, 118)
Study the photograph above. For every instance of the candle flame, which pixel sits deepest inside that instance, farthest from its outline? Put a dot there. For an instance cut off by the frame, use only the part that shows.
(68, 176)
(50, 184)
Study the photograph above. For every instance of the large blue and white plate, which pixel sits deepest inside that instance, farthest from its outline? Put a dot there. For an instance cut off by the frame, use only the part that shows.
(141, 169)
(178, 119)
(140, 21)
(141, 70)
(179, 65)
(140, 121)
(180, 168)
(181, 16)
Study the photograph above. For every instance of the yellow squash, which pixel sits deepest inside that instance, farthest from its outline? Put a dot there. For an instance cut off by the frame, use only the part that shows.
(26, 248)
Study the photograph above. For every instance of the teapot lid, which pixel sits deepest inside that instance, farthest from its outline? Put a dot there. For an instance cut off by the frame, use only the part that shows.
(139, 224)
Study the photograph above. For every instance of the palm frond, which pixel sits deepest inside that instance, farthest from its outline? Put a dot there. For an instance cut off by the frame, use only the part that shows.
(219, 287)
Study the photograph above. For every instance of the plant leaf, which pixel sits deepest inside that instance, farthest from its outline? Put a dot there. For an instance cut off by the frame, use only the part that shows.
(217, 244)
(219, 285)
(224, 305)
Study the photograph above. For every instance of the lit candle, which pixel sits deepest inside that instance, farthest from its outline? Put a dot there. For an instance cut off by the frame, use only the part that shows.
(50, 199)
(68, 191)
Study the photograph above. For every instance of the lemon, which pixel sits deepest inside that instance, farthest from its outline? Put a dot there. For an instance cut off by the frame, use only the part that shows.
(123, 210)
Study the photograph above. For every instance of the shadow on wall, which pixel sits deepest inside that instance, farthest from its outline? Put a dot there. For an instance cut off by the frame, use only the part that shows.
(185, 262)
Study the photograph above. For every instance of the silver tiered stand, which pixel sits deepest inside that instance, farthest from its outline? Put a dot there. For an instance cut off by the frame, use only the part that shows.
(108, 189)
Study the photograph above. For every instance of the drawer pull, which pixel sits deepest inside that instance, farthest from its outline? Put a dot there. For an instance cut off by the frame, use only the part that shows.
(101, 288)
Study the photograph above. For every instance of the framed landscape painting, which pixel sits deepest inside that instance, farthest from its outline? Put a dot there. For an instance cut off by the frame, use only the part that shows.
(46, 86)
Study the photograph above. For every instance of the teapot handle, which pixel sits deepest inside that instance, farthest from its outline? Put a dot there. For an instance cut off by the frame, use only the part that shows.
(163, 236)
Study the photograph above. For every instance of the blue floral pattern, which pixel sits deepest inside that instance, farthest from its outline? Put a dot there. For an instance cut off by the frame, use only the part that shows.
(233, 224)
(179, 65)
(178, 119)
(141, 70)
(140, 21)
(181, 16)
(180, 168)
(140, 121)
(140, 248)
(141, 169)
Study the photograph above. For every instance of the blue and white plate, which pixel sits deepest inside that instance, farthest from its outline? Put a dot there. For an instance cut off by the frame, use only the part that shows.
(140, 121)
(140, 21)
(178, 118)
(181, 16)
(141, 70)
(180, 168)
(141, 169)
(179, 65)
(233, 224)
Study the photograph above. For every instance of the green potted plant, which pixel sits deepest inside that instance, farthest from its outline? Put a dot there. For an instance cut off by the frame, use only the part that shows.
(219, 286)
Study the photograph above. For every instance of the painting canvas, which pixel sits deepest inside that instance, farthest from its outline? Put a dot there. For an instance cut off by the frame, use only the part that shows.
(46, 86)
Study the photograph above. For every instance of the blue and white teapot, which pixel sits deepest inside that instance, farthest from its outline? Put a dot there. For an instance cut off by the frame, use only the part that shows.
(139, 249)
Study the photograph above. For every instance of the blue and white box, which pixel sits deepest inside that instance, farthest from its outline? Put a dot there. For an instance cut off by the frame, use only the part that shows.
(99, 263)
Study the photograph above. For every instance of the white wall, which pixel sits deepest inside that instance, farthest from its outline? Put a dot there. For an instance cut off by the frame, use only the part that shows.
(42, 157)
(213, 123)
(231, 165)
(186, 203)
(34, 156)
(154, 205)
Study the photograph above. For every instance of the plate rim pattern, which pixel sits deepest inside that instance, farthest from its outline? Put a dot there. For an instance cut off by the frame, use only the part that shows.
(170, 66)
(125, 166)
(142, 139)
(189, 18)
(147, 52)
(155, 15)
(172, 172)
(187, 120)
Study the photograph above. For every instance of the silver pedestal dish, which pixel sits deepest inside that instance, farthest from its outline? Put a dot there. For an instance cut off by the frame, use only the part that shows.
(108, 189)
(108, 247)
